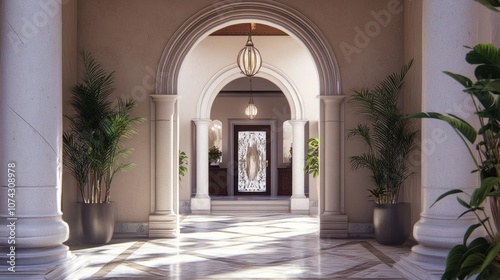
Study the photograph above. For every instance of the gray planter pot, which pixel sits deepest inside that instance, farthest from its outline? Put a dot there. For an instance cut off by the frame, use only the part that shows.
(392, 223)
(98, 222)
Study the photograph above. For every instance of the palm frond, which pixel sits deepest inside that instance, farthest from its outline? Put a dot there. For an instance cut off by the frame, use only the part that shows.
(389, 136)
(96, 131)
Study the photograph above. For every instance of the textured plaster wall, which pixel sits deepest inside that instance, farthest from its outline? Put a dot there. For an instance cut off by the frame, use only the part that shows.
(69, 59)
(412, 100)
(129, 36)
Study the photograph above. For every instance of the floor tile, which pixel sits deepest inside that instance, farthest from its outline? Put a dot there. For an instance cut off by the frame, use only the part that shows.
(262, 246)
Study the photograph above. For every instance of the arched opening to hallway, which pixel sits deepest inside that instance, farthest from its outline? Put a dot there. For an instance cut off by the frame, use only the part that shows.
(319, 94)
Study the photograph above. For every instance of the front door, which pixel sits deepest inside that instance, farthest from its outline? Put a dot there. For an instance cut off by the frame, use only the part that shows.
(252, 150)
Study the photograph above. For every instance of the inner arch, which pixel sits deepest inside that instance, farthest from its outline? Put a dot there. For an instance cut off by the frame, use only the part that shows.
(232, 72)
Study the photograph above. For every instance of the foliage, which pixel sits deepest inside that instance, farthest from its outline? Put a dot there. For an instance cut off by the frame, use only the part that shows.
(214, 153)
(93, 145)
(389, 136)
(183, 162)
(312, 157)
(490, 4)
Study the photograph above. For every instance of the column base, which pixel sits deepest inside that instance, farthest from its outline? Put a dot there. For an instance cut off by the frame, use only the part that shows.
(201, 205)
(412, 269)
(436, 236)
(64, 269)
(333, 226)
(163, 226)
(299, 205)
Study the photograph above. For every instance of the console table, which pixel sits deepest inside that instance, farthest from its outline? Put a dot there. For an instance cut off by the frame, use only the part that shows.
(217, 182)
(285, 181)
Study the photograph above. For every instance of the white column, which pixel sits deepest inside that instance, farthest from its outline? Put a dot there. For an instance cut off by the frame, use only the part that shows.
(299, 203)
(30, 140)
(200, 204)
(333, 221)
(163, 221)
(448, 25)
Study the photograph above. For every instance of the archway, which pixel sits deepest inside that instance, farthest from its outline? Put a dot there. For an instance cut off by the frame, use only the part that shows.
(232, 72)
(333, 219)
(201, 202)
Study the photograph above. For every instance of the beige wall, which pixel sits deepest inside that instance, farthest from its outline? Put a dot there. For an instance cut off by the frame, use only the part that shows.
(129, 36)
(70, 76)
(412, 94)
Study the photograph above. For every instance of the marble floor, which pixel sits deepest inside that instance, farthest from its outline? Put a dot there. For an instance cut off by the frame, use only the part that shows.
(265, 246)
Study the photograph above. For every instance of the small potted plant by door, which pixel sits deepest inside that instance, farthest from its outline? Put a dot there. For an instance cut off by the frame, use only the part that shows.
(390, 138)
(312, 157)
(214, 155)
(93, 147)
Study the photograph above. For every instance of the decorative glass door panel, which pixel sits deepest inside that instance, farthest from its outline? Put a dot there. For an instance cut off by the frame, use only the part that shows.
(252, 160)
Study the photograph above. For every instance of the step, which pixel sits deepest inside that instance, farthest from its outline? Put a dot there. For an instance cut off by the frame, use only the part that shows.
(251, 205)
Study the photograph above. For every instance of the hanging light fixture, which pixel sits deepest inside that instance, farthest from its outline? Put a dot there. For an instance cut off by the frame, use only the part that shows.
(249, 59)
(251, 109)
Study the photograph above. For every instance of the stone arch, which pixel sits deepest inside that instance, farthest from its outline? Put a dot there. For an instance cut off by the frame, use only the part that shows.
(232, 72)
(334, 222)
(222, 14)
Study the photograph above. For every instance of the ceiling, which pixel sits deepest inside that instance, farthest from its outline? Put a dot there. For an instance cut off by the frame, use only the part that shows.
(243, 30)
(241, 86)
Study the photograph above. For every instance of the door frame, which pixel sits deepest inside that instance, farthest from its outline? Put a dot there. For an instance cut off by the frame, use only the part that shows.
(269, 162)
(274, 152)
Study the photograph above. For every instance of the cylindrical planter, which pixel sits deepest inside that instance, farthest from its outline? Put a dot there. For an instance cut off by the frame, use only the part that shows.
(392, 223)
(98, 222)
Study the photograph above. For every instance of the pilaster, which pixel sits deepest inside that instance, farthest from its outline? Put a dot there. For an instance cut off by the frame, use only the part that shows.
(333, 220)
(299, 203)
(163, 222)
(200, 204)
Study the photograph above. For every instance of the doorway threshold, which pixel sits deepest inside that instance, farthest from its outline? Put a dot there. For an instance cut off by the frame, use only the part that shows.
(250, 197)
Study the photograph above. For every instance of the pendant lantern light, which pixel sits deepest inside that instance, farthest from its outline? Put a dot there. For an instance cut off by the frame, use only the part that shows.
(249, 59)
(251, 109)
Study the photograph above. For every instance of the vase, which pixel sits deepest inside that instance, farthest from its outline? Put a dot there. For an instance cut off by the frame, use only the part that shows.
(392, 223)
(98, 222)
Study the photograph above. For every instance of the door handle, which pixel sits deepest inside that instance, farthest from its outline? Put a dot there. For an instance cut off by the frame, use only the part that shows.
(267, 163)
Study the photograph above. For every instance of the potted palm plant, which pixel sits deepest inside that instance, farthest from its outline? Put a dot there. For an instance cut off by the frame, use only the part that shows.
(390, 138)
(93, 147)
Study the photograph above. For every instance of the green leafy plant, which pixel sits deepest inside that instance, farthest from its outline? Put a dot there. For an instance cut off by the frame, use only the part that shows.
(389, 136)
(93, 144)
(490, 4)
(481, 256)
(183, 163)
(312, 157)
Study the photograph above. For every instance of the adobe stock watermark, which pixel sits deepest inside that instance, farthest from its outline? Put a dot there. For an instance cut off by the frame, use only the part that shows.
(31, 26)
(371, 29)
(439, 136)
(141, 92)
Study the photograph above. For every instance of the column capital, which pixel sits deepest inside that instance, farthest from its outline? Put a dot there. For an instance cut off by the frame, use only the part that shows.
(298, 122)
(202, 122)
(164, 98)
(332, 98)
(164, 106)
